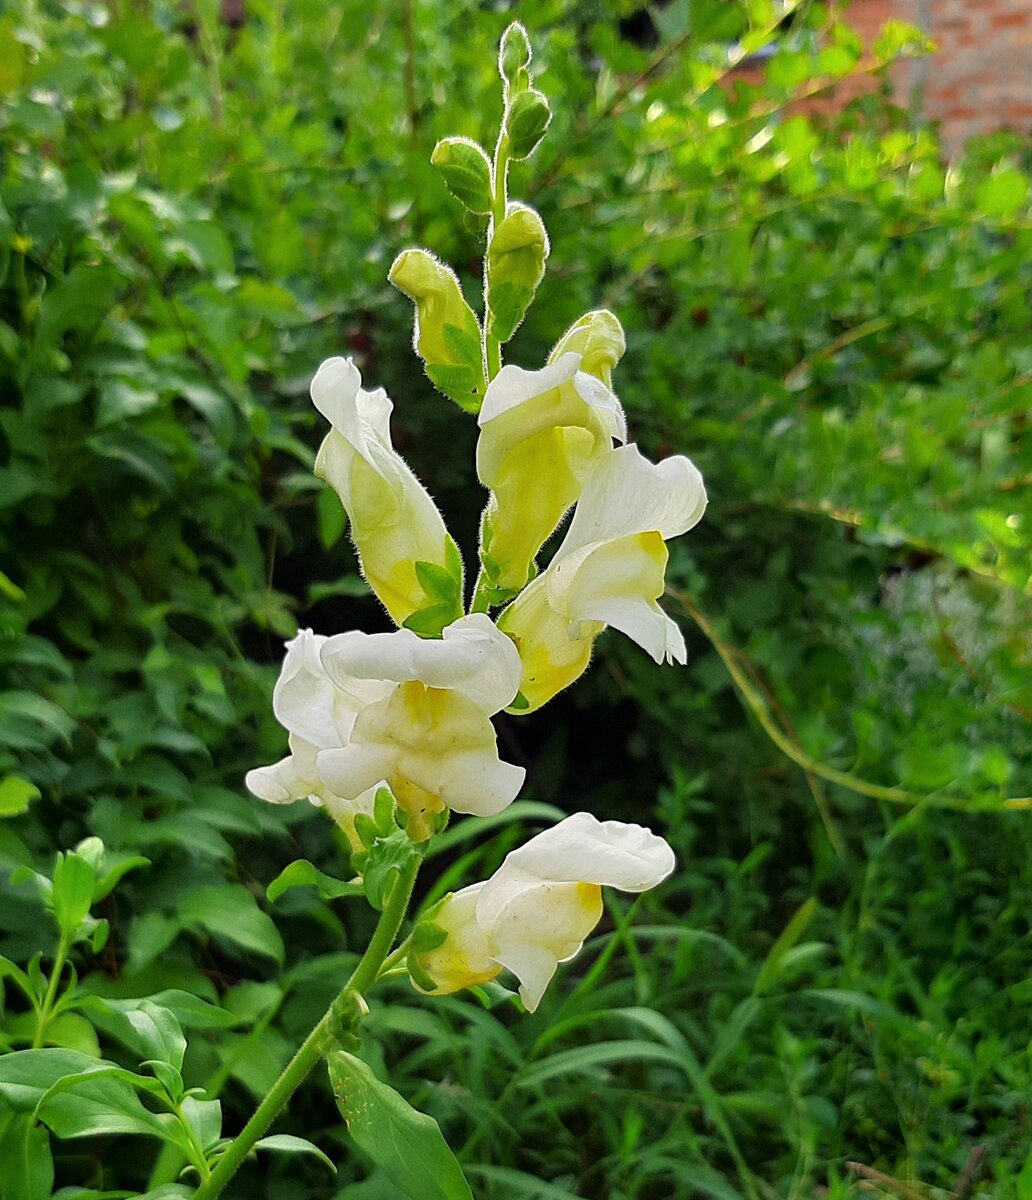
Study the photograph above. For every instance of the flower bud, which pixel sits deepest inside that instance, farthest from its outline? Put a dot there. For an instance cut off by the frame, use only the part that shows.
(527, 119)
(514, 53)
(447, 334)
(407, 556)
(466, 171)
(449, 949)
(598, 338)
(515, 265)
(539, 906)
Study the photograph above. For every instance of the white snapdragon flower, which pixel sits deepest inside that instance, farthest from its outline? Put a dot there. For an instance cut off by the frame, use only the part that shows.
(429, 735)
(609, 570)
(540, 434)
(407, 555)
(318, 716)
(539, 906)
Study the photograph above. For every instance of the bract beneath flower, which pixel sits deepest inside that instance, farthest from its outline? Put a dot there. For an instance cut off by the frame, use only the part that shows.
(540, 433)
(537, 909)
(609, 570)
(407, 556)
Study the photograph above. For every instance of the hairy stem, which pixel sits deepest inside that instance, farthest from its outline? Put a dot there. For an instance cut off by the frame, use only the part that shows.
(499, 176)
(321, 1040)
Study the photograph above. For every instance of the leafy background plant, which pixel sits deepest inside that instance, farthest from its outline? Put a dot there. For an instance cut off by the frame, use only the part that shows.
(197, 205)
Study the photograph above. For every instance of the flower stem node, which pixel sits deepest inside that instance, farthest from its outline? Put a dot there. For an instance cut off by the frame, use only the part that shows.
(447, 332)
(539, 906)
(516, 257)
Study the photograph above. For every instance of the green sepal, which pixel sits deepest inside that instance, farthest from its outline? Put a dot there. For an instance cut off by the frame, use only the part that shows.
(427, 936)
(463, 385)
(387, 858)
(516, 258)
(420, 977)
(466, 171)
(384, 810)
(520, 703)
(443, 588)
(526, 121)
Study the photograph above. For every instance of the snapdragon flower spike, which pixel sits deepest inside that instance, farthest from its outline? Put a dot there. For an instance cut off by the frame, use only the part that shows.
(407, 555)
(609, 570)
(540, 434)
(539, 906)
(317, 716)
(429, 736)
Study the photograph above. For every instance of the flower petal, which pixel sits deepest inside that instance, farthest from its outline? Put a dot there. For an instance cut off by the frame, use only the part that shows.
(626, 494)
(360, 417)
(584, 849)
(533, 925)
(472, 658)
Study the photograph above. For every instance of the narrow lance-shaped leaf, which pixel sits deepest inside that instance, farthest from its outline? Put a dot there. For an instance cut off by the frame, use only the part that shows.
(407, 1145)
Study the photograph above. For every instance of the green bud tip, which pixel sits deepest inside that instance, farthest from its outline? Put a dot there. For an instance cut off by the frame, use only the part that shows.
(526, 121)
(514, 52)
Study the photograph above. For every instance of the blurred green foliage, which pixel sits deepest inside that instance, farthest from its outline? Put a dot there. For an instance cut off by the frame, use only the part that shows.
(198, 204)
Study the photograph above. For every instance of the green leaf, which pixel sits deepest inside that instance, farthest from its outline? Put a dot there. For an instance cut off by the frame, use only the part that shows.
(791, 934)
(73, 892)
(104, 1101)
(74, 1033)
(16, 794)
(406, 1144)
(302, 873)
(27, 1075)
(205, 1119)
(151, 1031)
(289, 1144)
(1003, 193)
(26, 1165)
(230, 912)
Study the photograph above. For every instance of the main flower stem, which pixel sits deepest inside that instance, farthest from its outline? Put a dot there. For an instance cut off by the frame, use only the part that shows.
(321, 1040)
(499, 175)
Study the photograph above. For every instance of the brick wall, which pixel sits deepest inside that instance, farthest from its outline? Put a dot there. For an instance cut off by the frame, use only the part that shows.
(980, 77)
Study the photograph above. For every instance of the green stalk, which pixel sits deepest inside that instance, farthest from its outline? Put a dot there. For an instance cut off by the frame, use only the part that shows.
(46, 1009)
(499, 175)
(319, 1042)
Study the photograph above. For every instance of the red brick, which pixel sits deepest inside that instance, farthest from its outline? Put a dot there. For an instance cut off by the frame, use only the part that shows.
(1005, 20)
